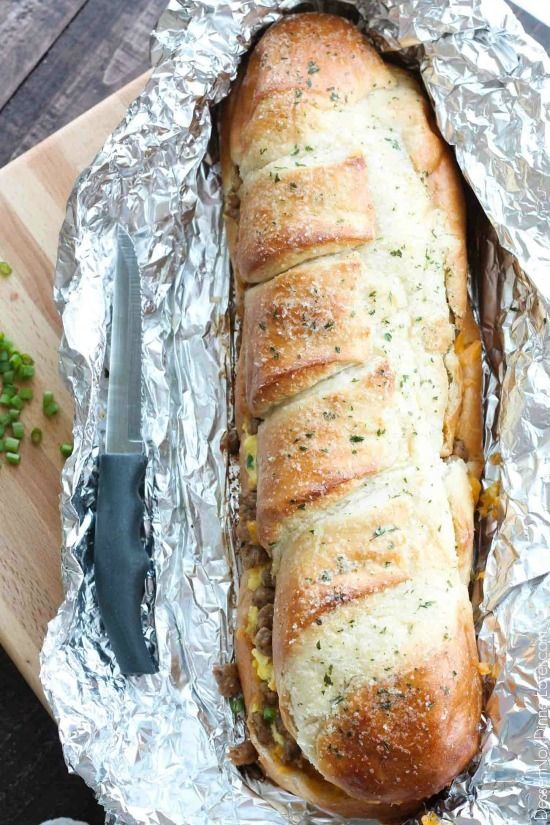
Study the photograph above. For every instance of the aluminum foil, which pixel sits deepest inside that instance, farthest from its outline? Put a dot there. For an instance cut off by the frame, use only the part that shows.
(154, 748)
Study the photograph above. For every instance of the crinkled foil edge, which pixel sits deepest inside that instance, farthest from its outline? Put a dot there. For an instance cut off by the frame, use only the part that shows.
(154, 748)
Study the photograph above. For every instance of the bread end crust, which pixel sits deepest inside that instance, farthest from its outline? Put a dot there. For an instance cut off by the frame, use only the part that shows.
(307, 784)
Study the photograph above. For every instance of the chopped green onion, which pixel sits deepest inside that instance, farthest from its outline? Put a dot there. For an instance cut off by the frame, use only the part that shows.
(47, 398)
(66, 449)
(269, 714)
(237, 704)
(51, 409)
(26, 371)
(5, 269)
(17, 367)
(11, 445)
(36, 435)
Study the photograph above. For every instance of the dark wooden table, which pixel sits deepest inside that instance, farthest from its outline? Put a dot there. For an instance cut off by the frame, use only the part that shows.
(59, 58)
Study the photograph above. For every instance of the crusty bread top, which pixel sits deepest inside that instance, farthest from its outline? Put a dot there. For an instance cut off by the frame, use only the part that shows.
(300, 70)
(303, 781)
(347, 232)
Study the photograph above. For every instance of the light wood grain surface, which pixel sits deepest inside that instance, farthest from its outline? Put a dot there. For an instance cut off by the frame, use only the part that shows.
(33, 192)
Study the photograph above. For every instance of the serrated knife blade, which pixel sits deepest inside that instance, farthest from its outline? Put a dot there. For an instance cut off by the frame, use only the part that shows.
(124, 398)
(121, 562)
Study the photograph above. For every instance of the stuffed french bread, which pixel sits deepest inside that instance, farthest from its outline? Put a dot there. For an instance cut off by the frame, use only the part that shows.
(358, 410)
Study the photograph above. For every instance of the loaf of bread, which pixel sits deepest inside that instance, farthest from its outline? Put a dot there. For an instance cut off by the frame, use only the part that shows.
(358, 409)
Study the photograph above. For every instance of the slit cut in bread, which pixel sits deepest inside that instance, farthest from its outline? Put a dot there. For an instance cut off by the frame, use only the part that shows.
(358, 408)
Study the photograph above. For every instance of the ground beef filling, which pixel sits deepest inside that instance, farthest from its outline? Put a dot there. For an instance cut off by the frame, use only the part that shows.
(252, 556)
(262, 639)
(264, 717)
(270, 731)
(243, 754)
(227, 680)
(267, 721)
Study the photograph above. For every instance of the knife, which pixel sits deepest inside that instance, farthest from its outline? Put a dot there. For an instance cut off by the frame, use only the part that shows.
(120, 559)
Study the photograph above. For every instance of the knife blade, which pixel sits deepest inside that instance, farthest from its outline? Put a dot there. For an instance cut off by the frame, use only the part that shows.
(120, 560)
(124, 397)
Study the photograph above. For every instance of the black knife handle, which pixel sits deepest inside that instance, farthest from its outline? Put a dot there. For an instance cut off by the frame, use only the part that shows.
(120, 559)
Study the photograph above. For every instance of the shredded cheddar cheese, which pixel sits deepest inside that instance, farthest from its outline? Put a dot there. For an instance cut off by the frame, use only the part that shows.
(250, 447)
(485, 669)
(252, 620)
(475, 487)
(489, 501)
(263, 667)
(252, 528)
(254, 578)
(430, 819)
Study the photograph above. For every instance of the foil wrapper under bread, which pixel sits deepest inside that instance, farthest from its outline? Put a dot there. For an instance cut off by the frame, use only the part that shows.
(154, 748)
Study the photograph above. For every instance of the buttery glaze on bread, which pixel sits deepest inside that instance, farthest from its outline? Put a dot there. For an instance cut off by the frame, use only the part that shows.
(360, 367)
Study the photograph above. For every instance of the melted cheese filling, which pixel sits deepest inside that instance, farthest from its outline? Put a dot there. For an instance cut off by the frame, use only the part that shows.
(250, 446)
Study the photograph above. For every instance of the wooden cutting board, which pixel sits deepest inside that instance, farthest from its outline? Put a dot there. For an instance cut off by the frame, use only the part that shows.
(33, 192)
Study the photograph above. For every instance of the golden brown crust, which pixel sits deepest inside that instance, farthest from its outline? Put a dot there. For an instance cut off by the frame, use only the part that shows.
(231, 181)
(404, 738)
(469, 427)
(242, 413)
(313, 450)
(435, 162)
(423, 142)
(355, 558)
(304, 65)
(300, 327)
(454, 401)
(361, 355)
(288, 216)
(462, 499)
(304, 782)
(446, 191)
